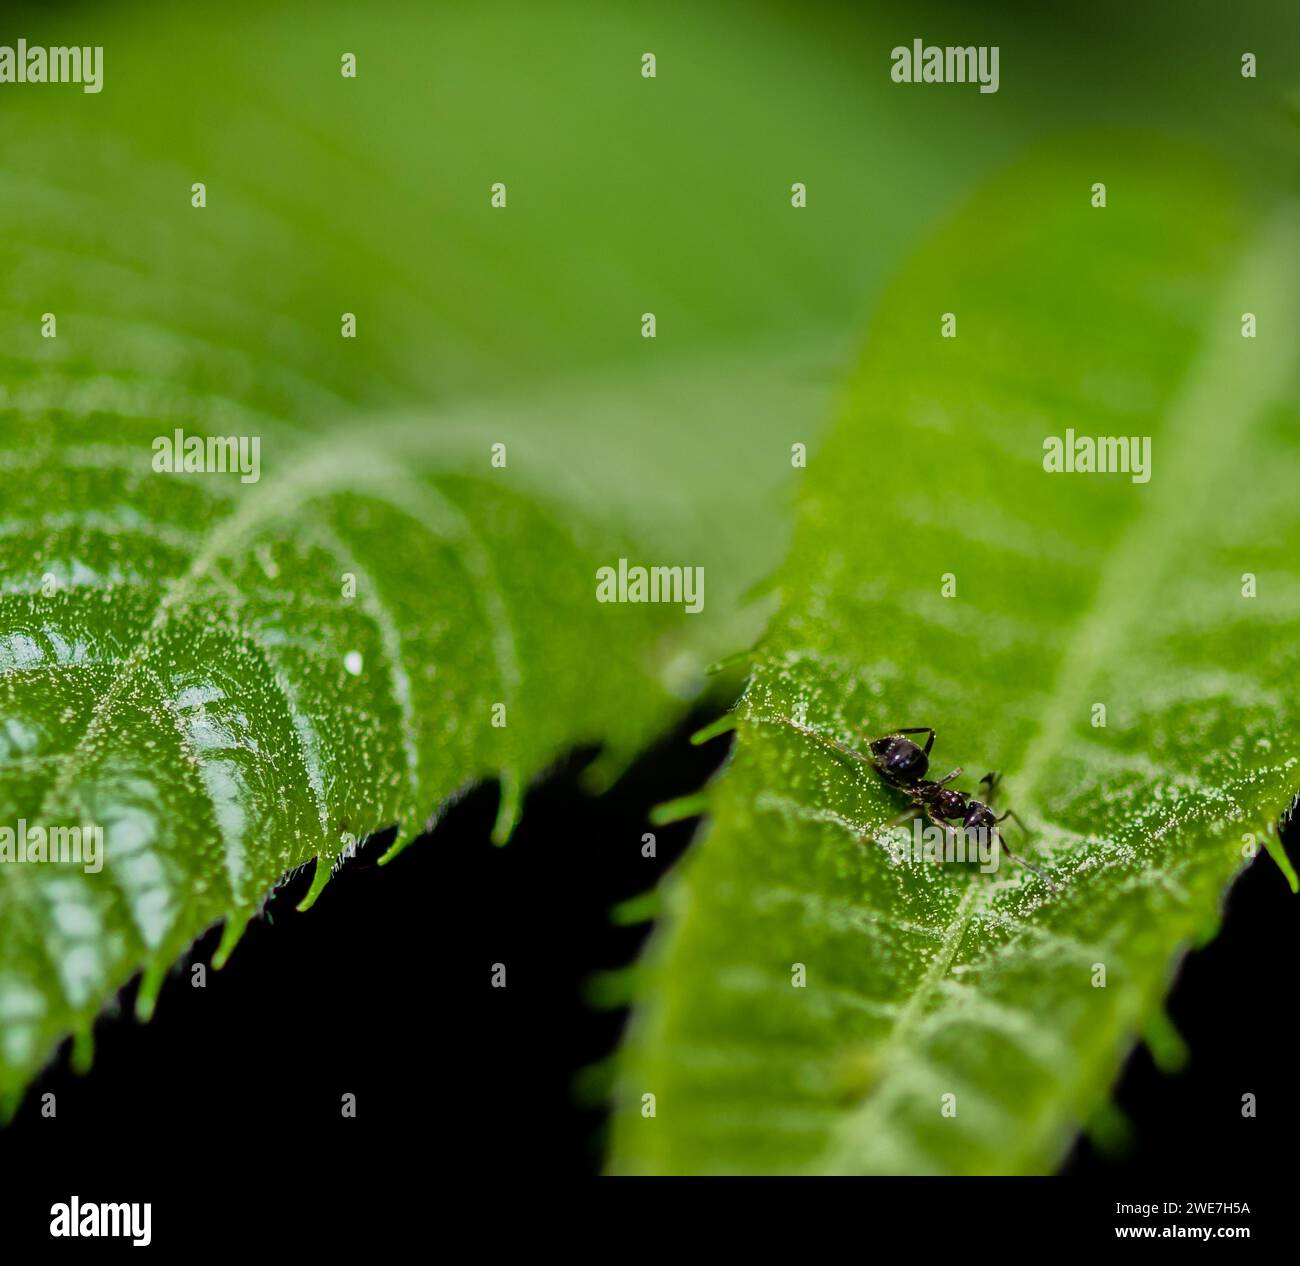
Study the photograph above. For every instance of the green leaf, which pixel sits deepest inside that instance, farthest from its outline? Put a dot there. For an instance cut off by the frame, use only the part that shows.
(327, 195)
(928, 980)
(178, 661)
(231, 679)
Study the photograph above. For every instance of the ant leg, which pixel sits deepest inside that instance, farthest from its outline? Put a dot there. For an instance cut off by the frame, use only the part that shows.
(1011, 813)
(921, 729)
(1002, 842)
(900, 819)
(822, 738)
(911, 812)
(956, 773)
(1002, 839)
(938, 821)
(951, 834)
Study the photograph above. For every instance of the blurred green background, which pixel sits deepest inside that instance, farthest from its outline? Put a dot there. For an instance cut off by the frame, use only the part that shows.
(625, 195)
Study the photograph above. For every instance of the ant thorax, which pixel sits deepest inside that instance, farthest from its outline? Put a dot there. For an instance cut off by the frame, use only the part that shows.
(950, 804)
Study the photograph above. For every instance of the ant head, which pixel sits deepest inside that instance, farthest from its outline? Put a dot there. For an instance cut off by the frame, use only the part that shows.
(899, 759)
(978, 817)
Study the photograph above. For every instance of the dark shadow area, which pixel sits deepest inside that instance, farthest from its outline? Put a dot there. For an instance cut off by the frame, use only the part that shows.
(383, 991)
(1230, 1004)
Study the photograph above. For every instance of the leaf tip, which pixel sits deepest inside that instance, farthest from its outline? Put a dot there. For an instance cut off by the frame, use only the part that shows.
(508, 811)
(151, 982)
(318, 881)
(643, 908)
(723, 725)
(679, 810)
(236, 922)
(1162, 1039)
(83, 1050)
(1278, 853)
(1109, 1131)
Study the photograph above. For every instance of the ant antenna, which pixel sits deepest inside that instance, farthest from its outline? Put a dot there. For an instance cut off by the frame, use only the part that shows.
(1002, 841)
(817, 734)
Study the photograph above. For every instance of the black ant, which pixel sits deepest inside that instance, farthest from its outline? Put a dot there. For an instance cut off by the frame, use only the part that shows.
(903, 764)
